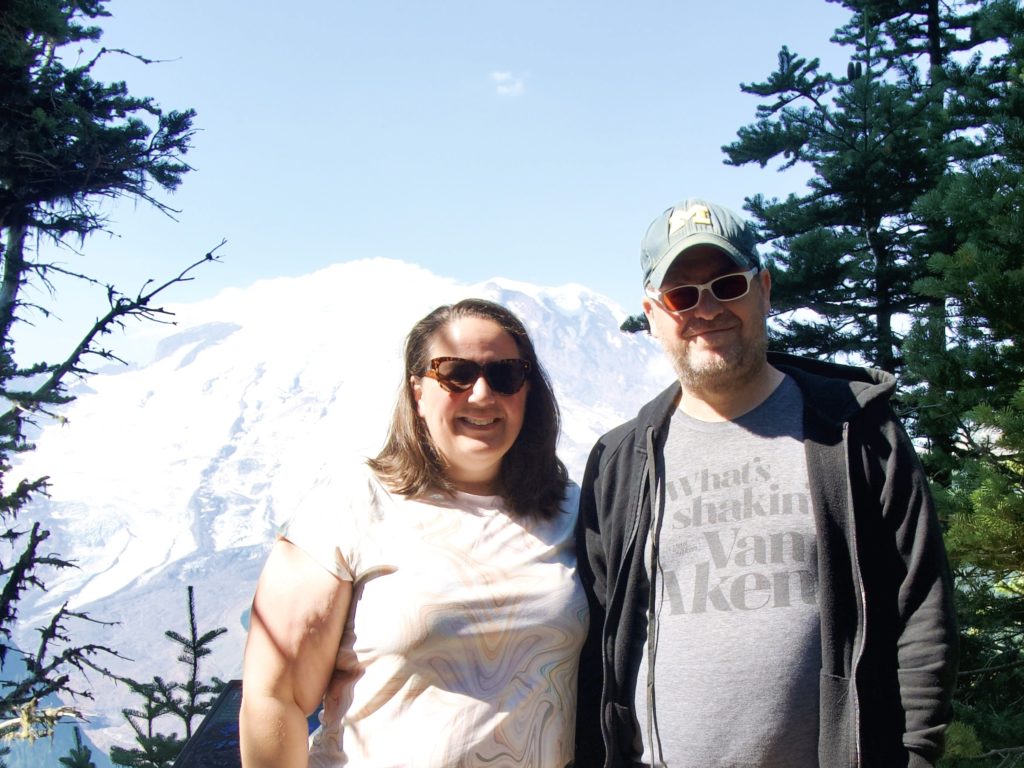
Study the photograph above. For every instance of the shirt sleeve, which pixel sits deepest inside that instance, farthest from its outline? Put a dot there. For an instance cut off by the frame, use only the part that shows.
(330, 523)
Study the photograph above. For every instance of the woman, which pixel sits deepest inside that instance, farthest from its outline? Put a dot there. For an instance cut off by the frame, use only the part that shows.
(430, 601)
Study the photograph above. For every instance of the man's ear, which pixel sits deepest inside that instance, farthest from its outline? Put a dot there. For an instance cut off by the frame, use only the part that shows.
(648, 307)
(765, 278)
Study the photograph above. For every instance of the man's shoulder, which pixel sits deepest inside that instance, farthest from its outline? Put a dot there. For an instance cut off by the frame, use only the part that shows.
(652, 414)
(837, 391)
(616, 437)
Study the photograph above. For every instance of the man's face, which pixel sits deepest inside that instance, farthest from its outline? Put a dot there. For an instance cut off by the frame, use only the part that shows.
(716, 345)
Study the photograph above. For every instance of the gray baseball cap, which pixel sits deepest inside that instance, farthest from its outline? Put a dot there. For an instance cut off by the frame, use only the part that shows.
(695, 222)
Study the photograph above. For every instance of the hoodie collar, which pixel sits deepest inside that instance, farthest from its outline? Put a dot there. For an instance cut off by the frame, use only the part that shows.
(836, 391)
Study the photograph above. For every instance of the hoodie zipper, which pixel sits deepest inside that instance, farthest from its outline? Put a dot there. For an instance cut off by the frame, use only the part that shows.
(653, 737)
(861, 632)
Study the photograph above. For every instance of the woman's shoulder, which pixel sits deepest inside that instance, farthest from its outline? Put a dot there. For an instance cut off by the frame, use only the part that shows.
(351, 477)
(342, 519)
(349, 491)
(558, 528)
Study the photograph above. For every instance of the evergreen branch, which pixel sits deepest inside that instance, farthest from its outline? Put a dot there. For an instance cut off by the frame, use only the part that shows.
(1001, 752)
(121, 307)
(986, 670)
(20, 577)
(104, 51)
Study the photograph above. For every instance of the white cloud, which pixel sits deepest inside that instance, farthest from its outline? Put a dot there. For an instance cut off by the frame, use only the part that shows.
(508, 84)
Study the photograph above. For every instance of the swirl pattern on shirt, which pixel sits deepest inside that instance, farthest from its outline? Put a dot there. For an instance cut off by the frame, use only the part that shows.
(461, 646)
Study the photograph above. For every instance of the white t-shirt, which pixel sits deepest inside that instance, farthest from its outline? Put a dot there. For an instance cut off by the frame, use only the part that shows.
(462, 642)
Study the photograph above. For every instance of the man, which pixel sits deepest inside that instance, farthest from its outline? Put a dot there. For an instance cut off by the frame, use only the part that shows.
(765, 571)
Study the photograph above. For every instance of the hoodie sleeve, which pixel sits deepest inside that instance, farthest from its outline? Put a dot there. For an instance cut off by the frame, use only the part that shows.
(593, 572)
(926, 641)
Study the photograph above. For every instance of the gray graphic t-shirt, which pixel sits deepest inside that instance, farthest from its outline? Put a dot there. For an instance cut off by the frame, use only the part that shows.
(736, 637)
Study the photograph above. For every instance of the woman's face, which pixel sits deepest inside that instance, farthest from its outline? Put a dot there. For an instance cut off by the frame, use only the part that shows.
(472, 430)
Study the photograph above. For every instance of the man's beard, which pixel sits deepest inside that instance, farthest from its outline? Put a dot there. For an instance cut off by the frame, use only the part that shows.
(730, 368)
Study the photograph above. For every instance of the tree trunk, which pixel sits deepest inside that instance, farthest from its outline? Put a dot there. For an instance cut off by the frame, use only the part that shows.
(934, 35)
(13, 276)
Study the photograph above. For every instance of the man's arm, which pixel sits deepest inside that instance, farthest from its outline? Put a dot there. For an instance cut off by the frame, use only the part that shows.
(928, 640)
(298, 616)
(592, 568)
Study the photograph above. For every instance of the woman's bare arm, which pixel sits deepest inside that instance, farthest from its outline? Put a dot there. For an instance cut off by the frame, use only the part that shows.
(298, 616)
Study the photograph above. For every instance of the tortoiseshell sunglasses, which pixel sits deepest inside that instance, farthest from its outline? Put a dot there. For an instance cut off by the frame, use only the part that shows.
(456, 374)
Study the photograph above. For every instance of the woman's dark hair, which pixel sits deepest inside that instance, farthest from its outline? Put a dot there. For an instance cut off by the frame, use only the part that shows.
(532, 478)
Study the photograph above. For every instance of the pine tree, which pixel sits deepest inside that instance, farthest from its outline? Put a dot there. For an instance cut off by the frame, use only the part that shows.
(966, 378)
(79, 756)
(635, 324)
(197, 696)
(67, 143)
(155, 750)
(875, 139)
(178, 702)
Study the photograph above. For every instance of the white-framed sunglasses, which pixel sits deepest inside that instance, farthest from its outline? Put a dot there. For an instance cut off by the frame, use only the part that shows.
(680, 298)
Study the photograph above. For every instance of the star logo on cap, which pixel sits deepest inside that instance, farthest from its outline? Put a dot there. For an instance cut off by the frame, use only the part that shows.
(684, 217)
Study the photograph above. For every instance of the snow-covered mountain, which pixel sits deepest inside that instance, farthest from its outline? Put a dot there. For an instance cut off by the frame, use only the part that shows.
(179, 469)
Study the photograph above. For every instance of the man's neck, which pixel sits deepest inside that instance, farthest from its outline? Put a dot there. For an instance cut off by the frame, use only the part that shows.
(730, 402)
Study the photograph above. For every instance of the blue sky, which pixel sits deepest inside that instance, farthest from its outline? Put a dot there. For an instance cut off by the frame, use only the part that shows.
(530, 140)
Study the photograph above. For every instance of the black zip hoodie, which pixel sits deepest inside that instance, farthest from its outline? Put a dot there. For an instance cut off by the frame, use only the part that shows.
(888, 630)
